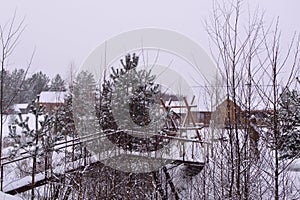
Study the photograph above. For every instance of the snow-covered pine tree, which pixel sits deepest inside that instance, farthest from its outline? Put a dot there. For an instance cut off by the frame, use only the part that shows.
(133, 91)
(84, 100)
(37, 140)
(289, 119)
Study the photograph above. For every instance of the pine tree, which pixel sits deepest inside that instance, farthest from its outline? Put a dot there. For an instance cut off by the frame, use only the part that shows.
(57, 84)
(37, 83)
(83, 99)
(36, 140)
(14, 87)
(129, 91)
(289, 118)
(5, 74)
(18, 87)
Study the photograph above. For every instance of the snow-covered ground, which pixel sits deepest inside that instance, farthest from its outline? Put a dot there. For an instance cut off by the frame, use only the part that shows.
(4, 196)
(10, 119)
(185, 185)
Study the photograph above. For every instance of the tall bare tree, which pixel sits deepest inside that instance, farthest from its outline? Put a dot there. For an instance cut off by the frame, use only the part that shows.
(248, 62)
(275, 65)
(9, 36)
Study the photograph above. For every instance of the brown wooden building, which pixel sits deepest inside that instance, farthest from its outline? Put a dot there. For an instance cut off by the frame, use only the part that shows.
(52, 100)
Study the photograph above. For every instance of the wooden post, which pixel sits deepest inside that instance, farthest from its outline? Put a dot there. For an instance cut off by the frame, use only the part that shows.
(36, 143)
(190, 114)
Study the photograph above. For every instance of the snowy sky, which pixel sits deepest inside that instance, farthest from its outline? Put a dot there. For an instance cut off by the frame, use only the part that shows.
(67, 31)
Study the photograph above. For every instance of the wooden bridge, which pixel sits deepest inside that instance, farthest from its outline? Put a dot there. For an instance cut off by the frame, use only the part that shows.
(186, 148)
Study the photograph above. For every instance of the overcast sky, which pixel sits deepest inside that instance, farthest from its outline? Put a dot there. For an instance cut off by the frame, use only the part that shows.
(66, 31)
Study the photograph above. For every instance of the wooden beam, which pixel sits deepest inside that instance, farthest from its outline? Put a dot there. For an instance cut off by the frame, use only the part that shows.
(189, 113)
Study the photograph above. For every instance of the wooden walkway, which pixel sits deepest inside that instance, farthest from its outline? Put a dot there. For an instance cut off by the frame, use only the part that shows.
(183, 150)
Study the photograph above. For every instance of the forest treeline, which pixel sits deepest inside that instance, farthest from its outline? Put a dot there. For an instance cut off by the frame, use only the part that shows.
(19, 87)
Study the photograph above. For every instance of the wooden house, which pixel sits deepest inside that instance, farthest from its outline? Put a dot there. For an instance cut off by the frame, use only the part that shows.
(52, 100)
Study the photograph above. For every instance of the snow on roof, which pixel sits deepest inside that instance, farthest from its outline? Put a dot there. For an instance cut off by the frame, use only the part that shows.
(180, 106)
(52, 97)
(19, 106)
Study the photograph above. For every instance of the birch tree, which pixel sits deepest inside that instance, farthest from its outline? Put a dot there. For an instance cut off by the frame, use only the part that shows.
(246, 51)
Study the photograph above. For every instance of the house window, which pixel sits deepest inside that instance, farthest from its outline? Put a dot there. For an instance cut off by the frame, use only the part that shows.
(201, 116)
